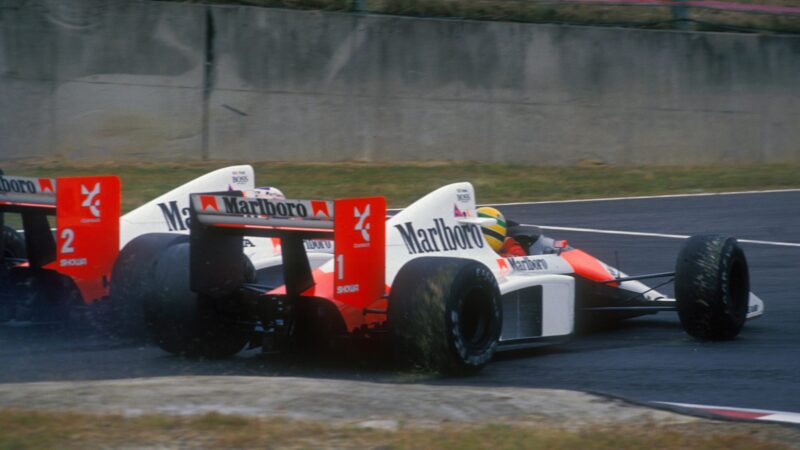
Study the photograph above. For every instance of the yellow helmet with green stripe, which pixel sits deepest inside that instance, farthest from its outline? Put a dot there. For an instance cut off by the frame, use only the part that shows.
(494, 234)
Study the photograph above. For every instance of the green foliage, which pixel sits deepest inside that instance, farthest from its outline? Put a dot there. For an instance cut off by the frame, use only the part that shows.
(71, 430)
(650, 16)
(403, 182)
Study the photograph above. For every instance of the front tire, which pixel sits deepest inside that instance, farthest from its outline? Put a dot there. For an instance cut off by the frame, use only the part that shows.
(445, 315)
(712, 287)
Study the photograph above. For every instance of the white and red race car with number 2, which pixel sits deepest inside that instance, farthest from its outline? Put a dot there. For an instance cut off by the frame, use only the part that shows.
(61, 259)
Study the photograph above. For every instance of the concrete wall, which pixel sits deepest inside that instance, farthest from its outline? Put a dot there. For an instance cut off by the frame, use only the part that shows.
(100, 79)
(110, 79)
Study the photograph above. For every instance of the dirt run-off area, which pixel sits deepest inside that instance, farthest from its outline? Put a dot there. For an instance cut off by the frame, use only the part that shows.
(345, 401)
(348, 405)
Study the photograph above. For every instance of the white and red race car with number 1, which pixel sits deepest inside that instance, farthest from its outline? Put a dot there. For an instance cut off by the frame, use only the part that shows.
(424, 281)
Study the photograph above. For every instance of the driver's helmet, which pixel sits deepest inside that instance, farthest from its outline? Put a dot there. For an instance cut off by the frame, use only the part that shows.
(494, 234)
(268, 192)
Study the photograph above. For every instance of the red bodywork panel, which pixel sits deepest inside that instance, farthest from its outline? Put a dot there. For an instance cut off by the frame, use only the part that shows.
(586, 265)
(359, 250)
(87, 234)
(357, 281)
(87, 211)
(354, 317)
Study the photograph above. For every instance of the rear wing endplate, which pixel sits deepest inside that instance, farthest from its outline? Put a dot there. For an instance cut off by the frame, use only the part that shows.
(357, 227)
(86, 240)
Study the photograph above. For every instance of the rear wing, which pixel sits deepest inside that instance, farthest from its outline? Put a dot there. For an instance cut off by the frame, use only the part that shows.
(86, 239)
(357, 227)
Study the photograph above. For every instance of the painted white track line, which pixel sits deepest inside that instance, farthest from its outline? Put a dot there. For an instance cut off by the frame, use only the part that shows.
(614, 199)
(743, 413)
(658, 235)
(644, 197)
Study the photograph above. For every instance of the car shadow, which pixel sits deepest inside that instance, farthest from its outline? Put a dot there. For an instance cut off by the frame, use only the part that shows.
(45, 353)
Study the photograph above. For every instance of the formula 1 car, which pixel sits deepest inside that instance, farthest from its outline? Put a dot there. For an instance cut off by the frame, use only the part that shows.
(425, 282)
(42, 273)
(47, 272)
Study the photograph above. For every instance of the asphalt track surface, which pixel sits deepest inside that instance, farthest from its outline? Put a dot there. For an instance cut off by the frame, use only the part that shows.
(648, 359)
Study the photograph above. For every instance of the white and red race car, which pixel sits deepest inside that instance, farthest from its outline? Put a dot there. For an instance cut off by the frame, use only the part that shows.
(424, 281)
(53, 266)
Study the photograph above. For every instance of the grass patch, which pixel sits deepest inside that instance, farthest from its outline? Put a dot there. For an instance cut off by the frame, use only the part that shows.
(660, 17)
(21, 429)
(402, 183)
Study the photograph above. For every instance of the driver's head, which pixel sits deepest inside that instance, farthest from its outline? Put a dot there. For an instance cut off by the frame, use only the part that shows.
(268, 192)
(494, 234)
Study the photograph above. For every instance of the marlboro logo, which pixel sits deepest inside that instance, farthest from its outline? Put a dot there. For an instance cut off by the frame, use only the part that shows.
(320, 208)
(208, 202)
(440, 237)
(46, 185)
(17, 185)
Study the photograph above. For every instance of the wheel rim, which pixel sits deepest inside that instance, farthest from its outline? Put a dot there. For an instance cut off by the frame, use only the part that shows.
(739, 289)
(475, 318)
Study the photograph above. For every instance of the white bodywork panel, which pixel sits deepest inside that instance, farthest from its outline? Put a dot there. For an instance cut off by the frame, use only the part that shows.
(169, 213)
(558, 315)
(557, 299)
(755, 306)
(431, 227)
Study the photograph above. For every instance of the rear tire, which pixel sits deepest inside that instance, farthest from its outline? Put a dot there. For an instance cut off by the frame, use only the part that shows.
(712, 287)
(131, 283)
(34, 293)
(14, 247)
(183, 322)
(14, 243)
(445, 315)
(43, 295)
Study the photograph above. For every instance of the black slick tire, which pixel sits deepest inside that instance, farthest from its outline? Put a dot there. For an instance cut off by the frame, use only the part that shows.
(445, 315)
(13, 248)
(39, 295)
(45, 296)
(14, 243)
(183, 322)
(712, 287)
(131, 282)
